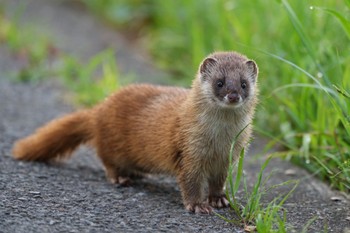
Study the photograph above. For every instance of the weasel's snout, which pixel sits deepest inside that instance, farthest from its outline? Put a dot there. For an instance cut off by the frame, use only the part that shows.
(233, 97)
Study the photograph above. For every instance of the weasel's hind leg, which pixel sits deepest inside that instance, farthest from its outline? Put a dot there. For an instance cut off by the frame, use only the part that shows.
(118, 167)
(113, 165)
(114, 176)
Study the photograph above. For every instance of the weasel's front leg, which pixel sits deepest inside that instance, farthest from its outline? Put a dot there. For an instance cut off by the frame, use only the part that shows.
(192, 184)
(217, 197)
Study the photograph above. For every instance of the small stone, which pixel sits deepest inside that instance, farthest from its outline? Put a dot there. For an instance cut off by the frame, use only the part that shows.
(348, 218)
(140, 194)
(290, 172)
(22, 198)
(35, 192)
(336, 199)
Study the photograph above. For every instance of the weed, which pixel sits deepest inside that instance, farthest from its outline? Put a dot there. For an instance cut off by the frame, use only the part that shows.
(324, 143)
(253, 215)
(33, 51)
(92, 81)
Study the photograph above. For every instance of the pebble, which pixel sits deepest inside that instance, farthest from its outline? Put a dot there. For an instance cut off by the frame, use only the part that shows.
(34, 192)
(336, 198)
(290, 172)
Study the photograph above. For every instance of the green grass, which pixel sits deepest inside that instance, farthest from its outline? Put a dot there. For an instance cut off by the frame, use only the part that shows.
(90, 82)
(301, 47)
(34, 51)
(250, 212)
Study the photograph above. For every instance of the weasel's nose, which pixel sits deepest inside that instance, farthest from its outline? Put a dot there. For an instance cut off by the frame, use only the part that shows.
(233, 98)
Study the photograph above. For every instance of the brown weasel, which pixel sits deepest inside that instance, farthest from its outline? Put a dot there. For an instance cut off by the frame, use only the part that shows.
(153, 129)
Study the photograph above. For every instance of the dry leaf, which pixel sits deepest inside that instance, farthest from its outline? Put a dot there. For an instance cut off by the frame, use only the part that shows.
(249, 228)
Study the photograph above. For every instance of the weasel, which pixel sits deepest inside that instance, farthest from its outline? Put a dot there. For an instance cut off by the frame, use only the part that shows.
(156, 129)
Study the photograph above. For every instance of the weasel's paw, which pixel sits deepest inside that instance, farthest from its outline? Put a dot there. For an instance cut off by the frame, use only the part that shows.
(200, 208)
(219, 201)
(123, 181)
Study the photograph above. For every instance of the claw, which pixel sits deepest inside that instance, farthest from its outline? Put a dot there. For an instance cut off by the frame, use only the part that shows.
(122, 181)
(201, 208)
(219, 201)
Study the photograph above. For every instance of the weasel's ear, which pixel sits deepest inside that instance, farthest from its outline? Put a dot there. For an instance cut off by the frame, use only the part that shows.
(207, 64)
(253, 69)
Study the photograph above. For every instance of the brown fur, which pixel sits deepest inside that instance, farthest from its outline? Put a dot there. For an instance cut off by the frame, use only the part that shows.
(154, 129)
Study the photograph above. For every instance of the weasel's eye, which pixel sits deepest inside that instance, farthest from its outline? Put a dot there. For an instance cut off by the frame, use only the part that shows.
(243, 85)
(220, 84)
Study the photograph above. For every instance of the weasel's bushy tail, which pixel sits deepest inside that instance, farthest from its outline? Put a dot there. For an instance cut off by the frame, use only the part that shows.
(57, 139)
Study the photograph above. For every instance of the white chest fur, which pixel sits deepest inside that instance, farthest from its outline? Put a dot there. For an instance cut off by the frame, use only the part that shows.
(213, 136)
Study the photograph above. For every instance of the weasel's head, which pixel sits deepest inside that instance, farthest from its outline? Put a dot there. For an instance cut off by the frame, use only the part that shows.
(228, 79)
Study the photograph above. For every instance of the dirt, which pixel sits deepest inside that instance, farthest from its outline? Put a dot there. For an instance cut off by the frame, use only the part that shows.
(75, 196)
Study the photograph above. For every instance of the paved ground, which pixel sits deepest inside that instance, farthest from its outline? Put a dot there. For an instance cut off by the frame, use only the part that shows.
(74, 196)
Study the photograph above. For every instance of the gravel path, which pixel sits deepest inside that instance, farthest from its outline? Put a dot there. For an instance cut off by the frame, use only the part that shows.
(75, 196)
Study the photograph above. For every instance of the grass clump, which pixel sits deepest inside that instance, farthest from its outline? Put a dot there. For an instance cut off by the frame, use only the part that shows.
(92, 81)
(34, 52)
(253, 214)
(319, 120)
(38, 59)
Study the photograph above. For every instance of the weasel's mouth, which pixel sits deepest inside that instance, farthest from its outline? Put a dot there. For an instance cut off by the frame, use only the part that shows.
(233, 99)
(227, 102)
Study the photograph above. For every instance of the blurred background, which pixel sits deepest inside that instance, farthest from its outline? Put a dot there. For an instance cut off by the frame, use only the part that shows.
(302, 49)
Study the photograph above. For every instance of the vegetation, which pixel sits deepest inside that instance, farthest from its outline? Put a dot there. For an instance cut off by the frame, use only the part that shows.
(39, 59)
(302, 48)
(92, 81)
(34, 52)
(254, 215)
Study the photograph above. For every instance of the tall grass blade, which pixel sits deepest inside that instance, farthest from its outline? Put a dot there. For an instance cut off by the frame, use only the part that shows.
(233, 186)
(342, 20)
(239, 172)
(304, 38)
(296, 183)
(308, 224)
(342, 91)
(338, 106)
(306, 85)
(299, 28)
